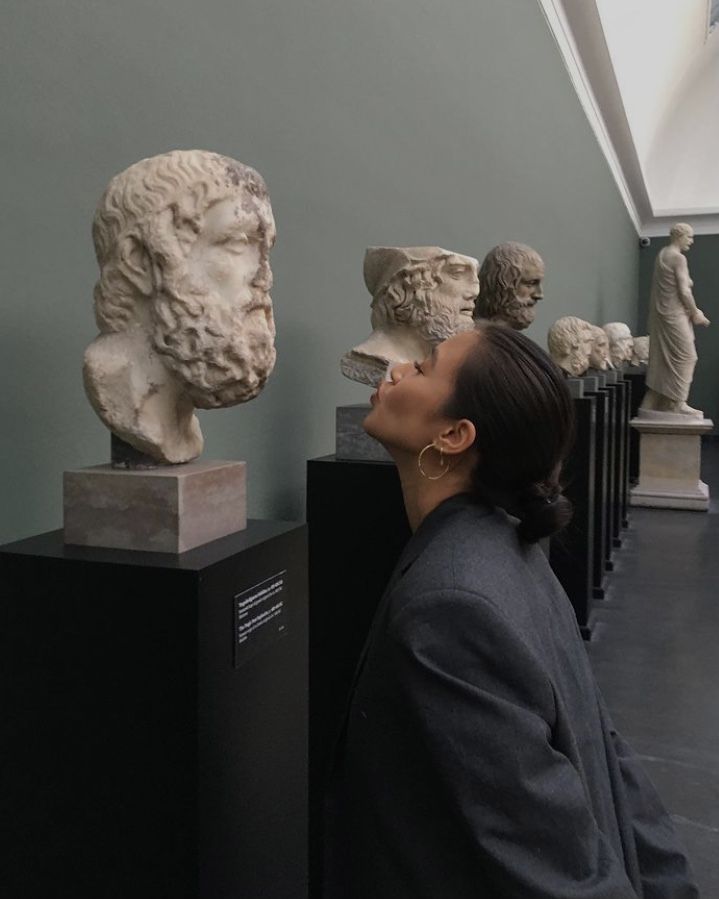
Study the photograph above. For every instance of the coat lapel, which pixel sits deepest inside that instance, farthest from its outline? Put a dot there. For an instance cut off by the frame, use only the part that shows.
(412, 551)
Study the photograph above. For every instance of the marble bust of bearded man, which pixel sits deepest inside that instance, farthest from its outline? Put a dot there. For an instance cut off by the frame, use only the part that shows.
(182, 303)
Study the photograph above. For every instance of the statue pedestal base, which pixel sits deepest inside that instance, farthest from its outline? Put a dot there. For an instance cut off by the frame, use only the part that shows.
(670, 462)
(169, 509)
(353, 443)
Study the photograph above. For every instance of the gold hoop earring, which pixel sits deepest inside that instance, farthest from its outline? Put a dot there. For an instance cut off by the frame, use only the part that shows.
(444, 465)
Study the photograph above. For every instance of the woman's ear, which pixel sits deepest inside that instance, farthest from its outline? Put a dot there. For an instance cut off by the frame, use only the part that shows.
(457, 438)
(136, 264)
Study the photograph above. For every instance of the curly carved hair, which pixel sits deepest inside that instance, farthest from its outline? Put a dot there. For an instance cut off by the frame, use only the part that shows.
(407, 295)
(187, 182)
(499, 276)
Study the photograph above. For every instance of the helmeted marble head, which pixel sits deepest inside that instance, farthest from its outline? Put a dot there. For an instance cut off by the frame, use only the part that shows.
(599, 357)
(510, 280)
(570, 342)
(183, 241)
(428, 289)
(621, 343)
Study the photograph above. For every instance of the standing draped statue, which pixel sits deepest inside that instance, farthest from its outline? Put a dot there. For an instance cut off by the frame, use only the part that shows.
(673, 314)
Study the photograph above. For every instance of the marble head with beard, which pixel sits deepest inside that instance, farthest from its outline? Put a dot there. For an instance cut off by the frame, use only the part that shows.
(420, 297)
(510, 285)
(182, 302)
(570, 342)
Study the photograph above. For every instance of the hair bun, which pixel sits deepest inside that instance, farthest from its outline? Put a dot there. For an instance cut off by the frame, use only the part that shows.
(542, 512)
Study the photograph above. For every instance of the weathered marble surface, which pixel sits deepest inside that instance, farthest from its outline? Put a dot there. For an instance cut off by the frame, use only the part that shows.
(182, 302)
(673, 314)
(670, 461)
(599, 357)
(640, 351)
(510, 285)
(420, 297)
(169, 509)
(570, 342)
(621, 343)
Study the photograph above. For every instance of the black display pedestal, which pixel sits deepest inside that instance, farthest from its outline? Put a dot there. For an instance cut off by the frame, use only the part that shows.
(621, 449)
(613, 436)
(357, 527)
(602, 472)
(571, 552)
(637, 378)
(155, 719)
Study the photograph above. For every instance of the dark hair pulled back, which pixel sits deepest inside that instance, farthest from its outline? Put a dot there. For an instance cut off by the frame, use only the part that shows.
(521, 407)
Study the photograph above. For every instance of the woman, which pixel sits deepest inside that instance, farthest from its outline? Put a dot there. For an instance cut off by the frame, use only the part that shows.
(477, 758)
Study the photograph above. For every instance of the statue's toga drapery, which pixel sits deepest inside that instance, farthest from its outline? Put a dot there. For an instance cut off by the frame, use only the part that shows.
(672, 356)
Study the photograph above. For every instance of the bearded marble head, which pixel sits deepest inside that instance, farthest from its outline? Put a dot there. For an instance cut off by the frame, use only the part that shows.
(599, 357)
(621, 343)
(420, 297)
(183, 242)
(510, 282)
(570, 342)
(428, 289)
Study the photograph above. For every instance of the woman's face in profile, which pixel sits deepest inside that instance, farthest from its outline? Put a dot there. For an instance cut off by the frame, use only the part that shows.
(407, 410)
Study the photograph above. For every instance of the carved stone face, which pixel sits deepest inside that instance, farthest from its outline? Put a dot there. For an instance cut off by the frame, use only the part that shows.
(449, 306)
(528, 292)
(682, 235)
(599, 355)
(570, 342)
(426, 289)
(213, 318)
(510, 285)
(640, 353)
(621, 343)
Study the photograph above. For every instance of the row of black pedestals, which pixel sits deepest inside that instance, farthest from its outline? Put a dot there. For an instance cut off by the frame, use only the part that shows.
(603, 464)
(156, 707)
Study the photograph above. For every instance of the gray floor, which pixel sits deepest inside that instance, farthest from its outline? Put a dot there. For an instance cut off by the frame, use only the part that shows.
(655, 652)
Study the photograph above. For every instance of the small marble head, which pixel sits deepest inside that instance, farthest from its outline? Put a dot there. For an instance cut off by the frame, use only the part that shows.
(599, 358)
(621, 343)
(682, 235)
(640, 352)
(510, 281)
(570, 342)
(183, 242)
(427, 289)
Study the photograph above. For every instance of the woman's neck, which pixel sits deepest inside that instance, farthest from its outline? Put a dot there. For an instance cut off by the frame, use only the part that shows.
(422, 495)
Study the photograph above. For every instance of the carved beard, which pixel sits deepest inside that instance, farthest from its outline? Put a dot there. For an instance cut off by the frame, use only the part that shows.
(520, 313)
(223, 353)
(577, 363)
(599, 359)
(436, 321)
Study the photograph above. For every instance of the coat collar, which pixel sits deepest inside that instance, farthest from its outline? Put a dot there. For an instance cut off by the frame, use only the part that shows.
(429, 526)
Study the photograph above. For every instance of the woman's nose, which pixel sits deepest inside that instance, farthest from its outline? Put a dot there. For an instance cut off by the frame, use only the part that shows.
(398, 371)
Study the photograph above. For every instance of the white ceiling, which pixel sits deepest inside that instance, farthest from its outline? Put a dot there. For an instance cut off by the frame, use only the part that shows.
(647, 74)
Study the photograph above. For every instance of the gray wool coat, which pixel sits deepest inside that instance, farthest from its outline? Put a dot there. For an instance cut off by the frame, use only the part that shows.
(477, 758)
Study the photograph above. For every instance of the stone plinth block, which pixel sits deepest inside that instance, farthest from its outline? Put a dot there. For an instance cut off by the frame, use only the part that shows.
(168, 510)
(352, 442)
(670, 462)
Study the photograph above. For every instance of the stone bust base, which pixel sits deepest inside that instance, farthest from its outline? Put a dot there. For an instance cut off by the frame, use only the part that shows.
(670, 461)
(169, 509)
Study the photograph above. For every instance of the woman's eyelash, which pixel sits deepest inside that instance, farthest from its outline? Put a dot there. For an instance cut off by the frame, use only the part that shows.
(418, 368)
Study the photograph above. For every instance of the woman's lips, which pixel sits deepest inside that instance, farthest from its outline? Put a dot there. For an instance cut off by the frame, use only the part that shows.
(377, 395)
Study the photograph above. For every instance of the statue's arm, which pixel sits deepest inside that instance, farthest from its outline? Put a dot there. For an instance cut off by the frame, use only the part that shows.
(684, 285)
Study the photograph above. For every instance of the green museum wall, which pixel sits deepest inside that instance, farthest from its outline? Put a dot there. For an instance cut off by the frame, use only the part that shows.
(703, 261)
(405, 122)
